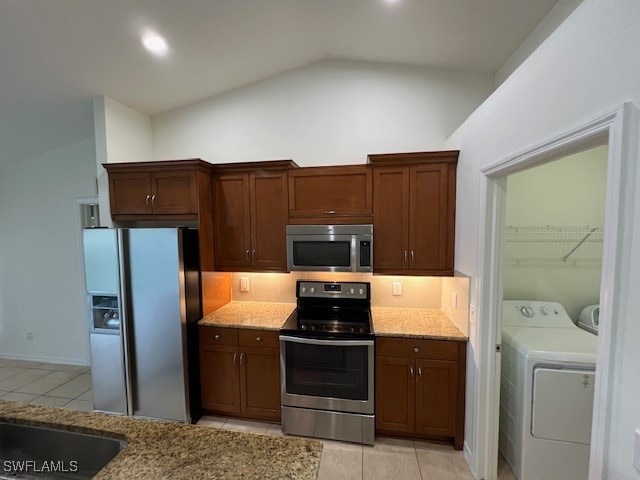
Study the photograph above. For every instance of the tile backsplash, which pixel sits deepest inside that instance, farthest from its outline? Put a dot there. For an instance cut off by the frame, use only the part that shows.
(417, 292)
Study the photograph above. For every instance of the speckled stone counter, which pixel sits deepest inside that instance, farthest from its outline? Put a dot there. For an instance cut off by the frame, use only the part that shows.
(158, 450)
(414, 323)
(263, 315)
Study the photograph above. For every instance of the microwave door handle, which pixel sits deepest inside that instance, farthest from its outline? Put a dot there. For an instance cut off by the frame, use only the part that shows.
(315, 341)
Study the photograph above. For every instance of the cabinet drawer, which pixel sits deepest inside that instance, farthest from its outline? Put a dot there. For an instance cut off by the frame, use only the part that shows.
(417, 348)
(258, 338)
(218, 335)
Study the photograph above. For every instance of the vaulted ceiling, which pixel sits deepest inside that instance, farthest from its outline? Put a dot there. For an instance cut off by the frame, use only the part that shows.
(56, 55)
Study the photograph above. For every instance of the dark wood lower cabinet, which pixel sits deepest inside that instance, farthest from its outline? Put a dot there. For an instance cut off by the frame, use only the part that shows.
(420, 389)
(240, 372)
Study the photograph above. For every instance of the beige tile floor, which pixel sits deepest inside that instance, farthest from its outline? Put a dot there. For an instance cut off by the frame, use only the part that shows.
(69, 386)
(390, 458)
(49, 384)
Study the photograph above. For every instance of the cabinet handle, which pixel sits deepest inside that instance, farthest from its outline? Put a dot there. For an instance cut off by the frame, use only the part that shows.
(253, 255)
(241, 358)
(420, 373)
(146, 200)
(235, 359)
(217, 337)
(247, 255)
(153, 199)
(413, 257)
(416, 349)
(329, 212)
(405, 256)
(411, 371)
(258, 339)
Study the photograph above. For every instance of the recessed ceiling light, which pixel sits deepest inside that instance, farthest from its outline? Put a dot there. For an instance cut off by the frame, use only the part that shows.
(155, 44)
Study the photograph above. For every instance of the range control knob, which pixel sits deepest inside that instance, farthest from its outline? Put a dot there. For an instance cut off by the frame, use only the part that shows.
(312, 289)
(352, 291)
(303, 289)
(361, 291)
(526, 311)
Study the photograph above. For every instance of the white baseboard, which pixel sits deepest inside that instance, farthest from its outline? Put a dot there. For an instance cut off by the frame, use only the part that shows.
(469, 457)
(35, 358)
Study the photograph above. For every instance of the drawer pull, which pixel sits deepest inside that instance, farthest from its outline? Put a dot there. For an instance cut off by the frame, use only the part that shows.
(258, 339)
(217, 337)
(416, 349)
(329, 212)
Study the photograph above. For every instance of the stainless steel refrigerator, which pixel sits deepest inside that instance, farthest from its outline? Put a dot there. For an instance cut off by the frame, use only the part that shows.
(143, 289)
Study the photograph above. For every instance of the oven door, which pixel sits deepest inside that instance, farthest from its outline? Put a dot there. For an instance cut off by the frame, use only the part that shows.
(322, 253)
(331, 374)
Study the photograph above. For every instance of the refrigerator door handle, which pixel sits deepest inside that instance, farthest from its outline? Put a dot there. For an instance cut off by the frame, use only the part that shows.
(124, 319)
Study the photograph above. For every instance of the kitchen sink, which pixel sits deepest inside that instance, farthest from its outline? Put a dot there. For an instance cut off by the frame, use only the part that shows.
(37, 452)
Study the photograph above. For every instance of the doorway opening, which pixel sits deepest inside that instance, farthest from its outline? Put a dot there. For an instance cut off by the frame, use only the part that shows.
(618, 130)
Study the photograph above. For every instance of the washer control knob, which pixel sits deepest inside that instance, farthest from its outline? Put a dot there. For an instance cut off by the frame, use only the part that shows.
(526, 311)
(544, 311)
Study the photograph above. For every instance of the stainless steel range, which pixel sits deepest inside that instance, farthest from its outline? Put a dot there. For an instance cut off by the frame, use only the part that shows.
(326, 360)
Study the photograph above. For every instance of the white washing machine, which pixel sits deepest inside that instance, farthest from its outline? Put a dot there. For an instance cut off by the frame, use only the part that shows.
(547, 388)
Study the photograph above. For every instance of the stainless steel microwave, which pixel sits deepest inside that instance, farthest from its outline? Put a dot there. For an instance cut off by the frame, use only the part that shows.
(330, 248)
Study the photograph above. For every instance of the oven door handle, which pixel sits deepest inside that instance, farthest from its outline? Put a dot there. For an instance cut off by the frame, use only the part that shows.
(338, 343)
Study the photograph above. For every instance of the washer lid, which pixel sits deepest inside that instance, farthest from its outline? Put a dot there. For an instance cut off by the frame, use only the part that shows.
(529, 313)
(558, 344)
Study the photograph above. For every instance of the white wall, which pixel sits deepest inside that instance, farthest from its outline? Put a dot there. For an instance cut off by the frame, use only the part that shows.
(332, 112)
(122, 135)
(566, 192)
(588, 66)
(41, 288)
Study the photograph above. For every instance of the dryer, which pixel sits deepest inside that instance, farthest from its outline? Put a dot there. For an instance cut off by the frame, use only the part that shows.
(547, 388)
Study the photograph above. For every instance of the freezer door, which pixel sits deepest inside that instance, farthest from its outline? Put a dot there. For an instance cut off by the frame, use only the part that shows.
(563, 404)
(156, 323)
(108, 373)
(101, 260)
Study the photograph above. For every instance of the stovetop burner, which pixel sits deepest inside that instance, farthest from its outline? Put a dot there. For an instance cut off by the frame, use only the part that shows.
(335, 309)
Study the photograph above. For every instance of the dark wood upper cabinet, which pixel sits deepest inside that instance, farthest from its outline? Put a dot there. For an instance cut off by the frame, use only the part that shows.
(328, 195)
(250, 215)
(414, 212)
(174, 191)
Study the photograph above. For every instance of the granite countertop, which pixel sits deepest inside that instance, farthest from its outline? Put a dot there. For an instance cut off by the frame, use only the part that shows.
(414, 323)
(161, 450)
(263, 315)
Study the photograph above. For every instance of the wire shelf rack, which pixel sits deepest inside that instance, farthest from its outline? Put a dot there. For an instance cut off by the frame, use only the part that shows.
(549, 242)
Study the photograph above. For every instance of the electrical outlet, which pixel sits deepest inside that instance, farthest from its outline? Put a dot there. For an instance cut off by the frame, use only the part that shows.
(397, 288)
(454, 300)
(244, 284)
(29, 336)
(472, 314)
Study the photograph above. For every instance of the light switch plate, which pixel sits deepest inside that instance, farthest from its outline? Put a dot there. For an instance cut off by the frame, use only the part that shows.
(397, 288)
(636, 452)
(244, 284)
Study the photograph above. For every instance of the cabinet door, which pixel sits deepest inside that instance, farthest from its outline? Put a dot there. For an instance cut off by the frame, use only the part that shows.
(436, 397)
(174, 192)
(395, 394)
(428, 223)
(260, 382)
(269, 213)
(219, 378)
(390, 218)
(232, 221)
(130, 193)
(329, 193)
